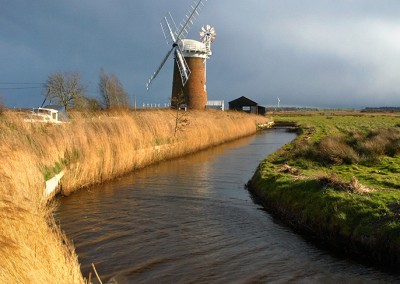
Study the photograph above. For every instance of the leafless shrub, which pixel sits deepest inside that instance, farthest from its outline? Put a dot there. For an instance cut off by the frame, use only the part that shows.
(374, 146)
(333, 150)
(381, 142)
(181, 120)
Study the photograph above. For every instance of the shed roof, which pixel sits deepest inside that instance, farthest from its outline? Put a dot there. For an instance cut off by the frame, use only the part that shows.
(243, 101)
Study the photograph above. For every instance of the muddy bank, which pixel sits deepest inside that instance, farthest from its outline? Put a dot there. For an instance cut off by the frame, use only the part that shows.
(329, 211)
(368, 250)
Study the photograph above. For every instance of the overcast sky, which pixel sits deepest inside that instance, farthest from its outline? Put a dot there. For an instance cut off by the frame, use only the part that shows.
(321, 53)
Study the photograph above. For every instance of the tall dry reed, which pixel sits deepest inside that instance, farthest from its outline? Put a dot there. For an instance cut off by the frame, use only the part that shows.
(91, 149)
(104, 146)
(32, 248)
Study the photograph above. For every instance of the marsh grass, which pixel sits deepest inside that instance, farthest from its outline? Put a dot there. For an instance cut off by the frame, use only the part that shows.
(369, 153)
(355, 139)
(343, 183)
(109, 145)
(93, 148)
(365, 148)
(33, 249)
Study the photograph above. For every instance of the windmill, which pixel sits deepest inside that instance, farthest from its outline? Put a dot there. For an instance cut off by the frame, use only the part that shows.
(189, 81)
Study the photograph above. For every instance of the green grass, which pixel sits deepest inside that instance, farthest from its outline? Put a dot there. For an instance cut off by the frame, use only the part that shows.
(61, 164)
(373, 169)
(339, 149)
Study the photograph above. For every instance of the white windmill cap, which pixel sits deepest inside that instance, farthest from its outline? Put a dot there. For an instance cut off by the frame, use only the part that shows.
(194, 48)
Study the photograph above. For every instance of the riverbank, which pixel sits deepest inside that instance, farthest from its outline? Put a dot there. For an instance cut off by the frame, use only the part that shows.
(91, 149)
(339, 182)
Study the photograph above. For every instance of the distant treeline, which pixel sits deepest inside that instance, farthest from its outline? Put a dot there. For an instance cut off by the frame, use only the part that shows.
(268, 109)
(381, 109)
(306, 109)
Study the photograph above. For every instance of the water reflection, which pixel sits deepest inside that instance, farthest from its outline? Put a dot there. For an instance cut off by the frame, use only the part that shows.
(190, 220)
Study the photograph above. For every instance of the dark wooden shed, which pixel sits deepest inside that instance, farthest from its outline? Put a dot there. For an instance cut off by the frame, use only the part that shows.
(246, 105)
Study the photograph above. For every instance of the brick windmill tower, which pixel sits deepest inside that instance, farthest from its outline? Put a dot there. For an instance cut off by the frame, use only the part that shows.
(189, 80)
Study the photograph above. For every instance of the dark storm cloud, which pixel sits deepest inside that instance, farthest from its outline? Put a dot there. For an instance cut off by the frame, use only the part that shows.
(314, 53)
(327, 53)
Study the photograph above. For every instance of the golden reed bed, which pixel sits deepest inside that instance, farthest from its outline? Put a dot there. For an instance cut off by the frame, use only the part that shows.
(91, 149)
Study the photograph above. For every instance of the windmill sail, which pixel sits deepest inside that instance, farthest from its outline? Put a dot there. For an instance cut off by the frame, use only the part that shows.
(166, 27)
(159, 68)
(175, 37)
(182, 66)
(185, 25)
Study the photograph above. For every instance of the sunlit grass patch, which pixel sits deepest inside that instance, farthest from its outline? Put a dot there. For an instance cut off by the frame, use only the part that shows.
(348, 189)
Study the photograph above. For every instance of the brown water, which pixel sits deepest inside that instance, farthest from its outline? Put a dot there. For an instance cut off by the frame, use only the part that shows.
(191, 220)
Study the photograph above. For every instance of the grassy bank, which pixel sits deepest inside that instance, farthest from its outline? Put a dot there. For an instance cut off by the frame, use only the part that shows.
(339, 181)
(91, 149)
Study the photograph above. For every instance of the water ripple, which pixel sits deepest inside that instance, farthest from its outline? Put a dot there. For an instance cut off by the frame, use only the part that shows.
(191, 221)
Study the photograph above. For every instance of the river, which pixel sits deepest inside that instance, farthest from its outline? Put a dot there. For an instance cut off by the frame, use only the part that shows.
(191, 220)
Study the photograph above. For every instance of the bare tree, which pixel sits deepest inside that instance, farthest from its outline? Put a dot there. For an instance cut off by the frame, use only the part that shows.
(112, 92)
(64, 88)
